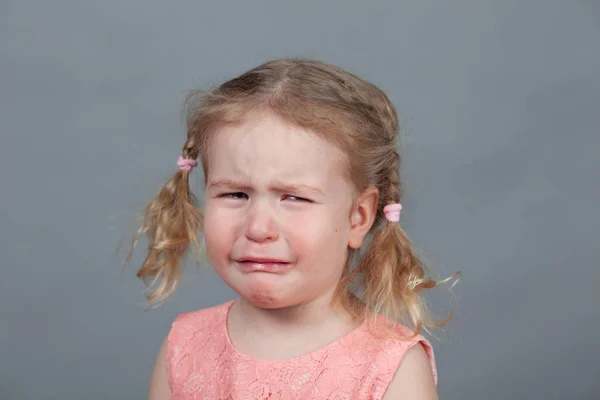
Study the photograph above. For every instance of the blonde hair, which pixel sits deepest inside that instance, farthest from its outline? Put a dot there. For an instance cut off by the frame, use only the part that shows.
(347, 111)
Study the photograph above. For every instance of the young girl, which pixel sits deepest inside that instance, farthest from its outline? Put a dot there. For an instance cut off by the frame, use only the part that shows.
(301, 220)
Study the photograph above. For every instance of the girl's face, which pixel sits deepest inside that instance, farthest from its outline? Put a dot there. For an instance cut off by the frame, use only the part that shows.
(280, 213)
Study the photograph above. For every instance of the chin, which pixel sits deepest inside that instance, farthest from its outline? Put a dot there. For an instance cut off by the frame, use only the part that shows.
(265, 290)
(267, 296)
(265, 301)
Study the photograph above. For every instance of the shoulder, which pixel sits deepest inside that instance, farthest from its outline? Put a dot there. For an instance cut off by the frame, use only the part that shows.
(413, 378)
(159, 383)
(189, 331)
(189, 323)
(190, 328)
(409, 365)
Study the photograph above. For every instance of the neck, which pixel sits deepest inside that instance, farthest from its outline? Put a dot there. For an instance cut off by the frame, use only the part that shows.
(287, 332)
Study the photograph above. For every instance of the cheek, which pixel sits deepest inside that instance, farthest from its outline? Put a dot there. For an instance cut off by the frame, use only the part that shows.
(217, 234)
(324, 237)
(217, 218)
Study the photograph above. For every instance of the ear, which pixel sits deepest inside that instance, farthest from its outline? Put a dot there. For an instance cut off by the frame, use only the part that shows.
(362, 215)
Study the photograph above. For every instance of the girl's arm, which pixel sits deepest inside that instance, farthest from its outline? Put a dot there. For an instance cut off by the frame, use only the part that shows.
(159, 385)
(413, 379)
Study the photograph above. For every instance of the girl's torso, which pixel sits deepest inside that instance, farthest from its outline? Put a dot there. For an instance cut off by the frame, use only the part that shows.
(202, 363)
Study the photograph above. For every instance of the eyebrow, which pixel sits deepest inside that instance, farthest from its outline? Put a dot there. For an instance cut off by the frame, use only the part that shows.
(279, 186)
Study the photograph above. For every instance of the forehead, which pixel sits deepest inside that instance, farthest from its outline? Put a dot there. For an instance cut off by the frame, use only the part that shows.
(265, 147)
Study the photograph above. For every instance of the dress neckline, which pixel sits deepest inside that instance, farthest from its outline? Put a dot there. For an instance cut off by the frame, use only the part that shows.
(315, 354)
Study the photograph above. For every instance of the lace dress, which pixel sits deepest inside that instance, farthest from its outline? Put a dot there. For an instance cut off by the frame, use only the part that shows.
(202, 363)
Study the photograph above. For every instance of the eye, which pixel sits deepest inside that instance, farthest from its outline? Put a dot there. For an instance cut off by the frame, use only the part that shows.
(297, 199)
(236, 195)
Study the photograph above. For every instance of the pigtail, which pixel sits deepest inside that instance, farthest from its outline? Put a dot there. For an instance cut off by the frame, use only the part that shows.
(170, 222)
(390, 278)
(389, 275)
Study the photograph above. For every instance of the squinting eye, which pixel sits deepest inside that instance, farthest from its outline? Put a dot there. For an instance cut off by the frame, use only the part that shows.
(296, 198)
(236, 195)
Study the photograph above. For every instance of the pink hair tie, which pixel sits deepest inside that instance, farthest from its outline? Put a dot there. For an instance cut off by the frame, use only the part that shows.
(186, 164)
(392, 212)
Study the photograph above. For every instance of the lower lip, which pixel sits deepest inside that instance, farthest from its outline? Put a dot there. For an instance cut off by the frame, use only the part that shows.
(275, 268)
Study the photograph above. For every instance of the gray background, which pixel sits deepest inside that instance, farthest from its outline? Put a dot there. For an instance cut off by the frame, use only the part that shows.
(501, 106)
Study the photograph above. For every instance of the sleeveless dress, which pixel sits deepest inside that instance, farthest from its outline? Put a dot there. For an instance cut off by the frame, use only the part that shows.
(202, 363)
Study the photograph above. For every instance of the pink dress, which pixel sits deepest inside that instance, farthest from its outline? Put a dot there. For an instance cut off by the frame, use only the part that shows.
(202, 363)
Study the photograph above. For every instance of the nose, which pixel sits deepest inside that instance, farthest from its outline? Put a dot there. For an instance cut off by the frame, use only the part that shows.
(260, 224)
